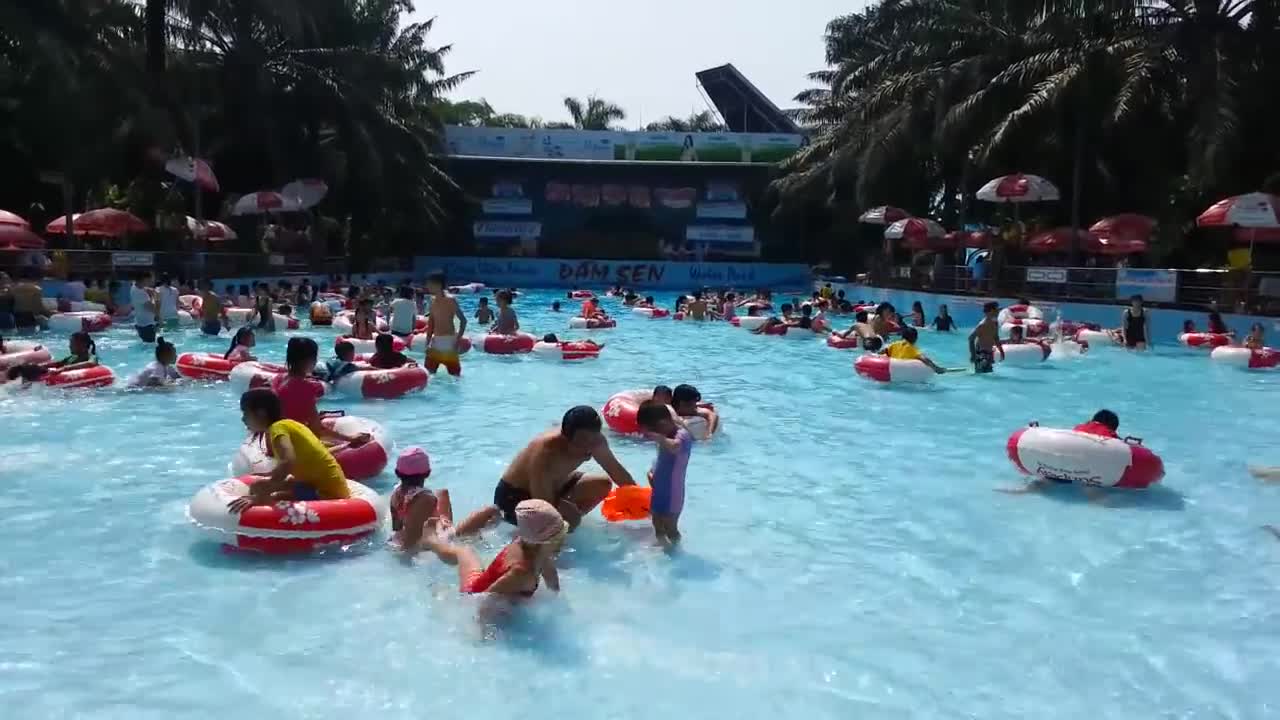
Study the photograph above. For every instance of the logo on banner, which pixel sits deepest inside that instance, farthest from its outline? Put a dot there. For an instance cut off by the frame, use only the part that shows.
(737, 234)
(1047, 275)
(506, 229)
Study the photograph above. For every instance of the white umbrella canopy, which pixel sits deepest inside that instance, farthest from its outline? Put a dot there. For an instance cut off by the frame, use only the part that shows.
(266, 201)
(211, 230)
(307, 192)
(915, 229)
(1018, 188)
(193, 170)
(1252, 210)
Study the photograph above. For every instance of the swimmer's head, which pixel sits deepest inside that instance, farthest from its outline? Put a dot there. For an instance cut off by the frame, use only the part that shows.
(384, 344)
(1015, 333)
(406, 292)
(753, 310)
(259, 408)
(555, 306)
(484, 302)
(1108, 419)
(942, 310)
(653, 416)
(1136, 301)
(886, 311)
(806, 310)
(1188, 326)
(861, 316)
(81, 343)
(786, 308)
(839, 293)
(345, 351)
(663, 394)
(301, 355)
(909, 334)
(872, 344)
(435, 282)
(649, 299)
(504, 298)
(550, 338)
(685, 398)
(990, 309)
(581, 427)
(166, 353)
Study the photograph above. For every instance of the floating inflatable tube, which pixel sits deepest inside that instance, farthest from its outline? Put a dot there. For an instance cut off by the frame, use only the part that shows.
(360, 463)
(581, 323)
(289, 527)
(468, 289)
(73, 322)
(1019, 312)
(374, 384)
(882, 368)
(620, 410)
(238, 316)
(90, 377)
(21, 352)
(1030, 328)
(852, 342)
(369, 347)
(342, 322)
(495, 344)
(191, 303)
(418, 342)
(1083, 458)
(1069, 328)
(1204, 340)
(254, 374)
(1027, 353)
(1095, 337)
(205, 366)
(748, 322)
(651, 313)
(1243, 357)
(582, 294)
(53, 305)
(576, 350)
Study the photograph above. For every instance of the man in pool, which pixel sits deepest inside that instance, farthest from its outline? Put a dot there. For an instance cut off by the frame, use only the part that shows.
(547, 469)
(442, 337)
(985, 340)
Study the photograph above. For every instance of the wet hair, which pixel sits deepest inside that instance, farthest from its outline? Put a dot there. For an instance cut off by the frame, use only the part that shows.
(815, 295)
(840, 293)
(649, 299)
(1215, 315)
(806, 310)
(298, 352)
(1188, 326)
(484, 300)
(909, 334)
(917, 306)
(285, 309)
(163, 346)
(990, 307)
(550, 338)
(1023, 301)
(861, 316)
(1016, 330)
(235, 340)
(84, 337)
(244, 289)
(384, 344)
(684, 394)
(1135, 297)
(752, 310)
(651, 413)
(344, 348)
(942, 308)
(873, 343)
(261, 401)
(27, 372)
(436, 277)
(1107, 419)
(786, 308)
(662, 390)
(505, 296)
(580, 418)
(164, 279)
(406, 292)
(568, 295)
(730, 297)
(885, 307)
(555, 305)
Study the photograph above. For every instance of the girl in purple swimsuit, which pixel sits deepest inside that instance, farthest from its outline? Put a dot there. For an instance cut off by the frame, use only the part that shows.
(667, 478)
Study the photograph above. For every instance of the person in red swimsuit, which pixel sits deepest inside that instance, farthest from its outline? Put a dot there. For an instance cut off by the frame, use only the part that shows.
(1104, 423)
(530, 556)
(299, 391)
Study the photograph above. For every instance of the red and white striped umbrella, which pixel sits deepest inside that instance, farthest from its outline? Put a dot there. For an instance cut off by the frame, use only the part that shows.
(1058, 240)
(1253, 210)
(8, 218)
(915, 230)
(13, 237)
(264, 202)
(193, 170)
(307, 192)
(1018, 188)
(1127, 226)
(883, 215)
(108, 222)
(210, 230)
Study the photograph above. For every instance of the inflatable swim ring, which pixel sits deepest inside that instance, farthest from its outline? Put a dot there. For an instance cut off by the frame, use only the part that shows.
(369, 347)
(86, 321)
(1095, 337)
(1019, 312)
(287, 527)
(1083, 458)
(374, 384)
(1204, 340)
(468, 289)
(507, 344)
(1243, 357)
(20, 352)
(883, 369)
(56, 305)
(1027, 353)
(205, 366)
(419, 342)
(582, 294)
(580, 323)
(1069, 328)
(620, 410)
(191, 303)
(630, 502)
(651, 313)
(575, 350)
(360, 463)
(748, 322)
(90, 377)
(254, 374)
(1030, 328)
(852, 342)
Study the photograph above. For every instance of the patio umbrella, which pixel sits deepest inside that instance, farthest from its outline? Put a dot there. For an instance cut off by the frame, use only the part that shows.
(1057, 240)
(193, 170)
(1125, 225)
(1114, 246)
(210, 230)
(1018, 188)
(13, 237)
(10, 219)
(307, 193)
(264, 202)
(108, 222)
(883, 215)
(1248, 214)
(917, 233)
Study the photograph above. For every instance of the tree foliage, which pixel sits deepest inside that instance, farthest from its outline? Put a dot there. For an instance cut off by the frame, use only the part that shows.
(704, 121)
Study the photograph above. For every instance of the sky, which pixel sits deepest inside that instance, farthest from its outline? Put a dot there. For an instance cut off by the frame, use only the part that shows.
(530, 55)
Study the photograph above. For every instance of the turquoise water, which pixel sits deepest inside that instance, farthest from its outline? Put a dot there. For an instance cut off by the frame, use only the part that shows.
(844, 553)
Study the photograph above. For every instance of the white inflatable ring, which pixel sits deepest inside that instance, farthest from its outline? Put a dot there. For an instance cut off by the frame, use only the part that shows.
(882, 368)
(90, 377)
(495, 344)
(1083, 458)
(1095, 337)
(1243, 357)
(576, 350)
(581, 323)
(376, 384)
(360, 463)
(1027, 353)
(254, 374)
(1205, 341)
(749, 322)
(21, 352)
(369, 347)
(73, 322)
(205, 366)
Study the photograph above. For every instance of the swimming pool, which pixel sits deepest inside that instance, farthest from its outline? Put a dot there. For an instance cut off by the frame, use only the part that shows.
(844, 553)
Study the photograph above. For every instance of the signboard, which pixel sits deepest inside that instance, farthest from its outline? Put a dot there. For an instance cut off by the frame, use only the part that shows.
(722, 234)
(535, 272)
(133, 259)
(507, 206)
(506, 229)
(722, 210)
(1057, 276)
(1154, 285)
(620, 145)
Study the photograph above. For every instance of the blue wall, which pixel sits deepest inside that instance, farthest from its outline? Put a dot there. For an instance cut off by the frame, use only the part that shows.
(648, 274)
(967, 310)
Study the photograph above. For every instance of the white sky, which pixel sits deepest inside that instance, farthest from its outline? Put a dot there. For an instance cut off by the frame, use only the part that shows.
(642, 56)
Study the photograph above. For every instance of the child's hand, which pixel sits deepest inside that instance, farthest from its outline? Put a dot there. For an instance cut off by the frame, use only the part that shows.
(359, 440)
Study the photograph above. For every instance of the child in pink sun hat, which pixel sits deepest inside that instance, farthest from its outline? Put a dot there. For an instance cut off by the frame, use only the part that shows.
(412, 503)
(516, 571)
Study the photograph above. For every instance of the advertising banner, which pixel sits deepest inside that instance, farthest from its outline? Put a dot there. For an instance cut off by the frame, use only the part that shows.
(1154, 285)
(558, 192)
(657, 274)
(721, 234)
(507, 206)
(722, 210)
(570, 144)
(506, 229)
(1053, 275)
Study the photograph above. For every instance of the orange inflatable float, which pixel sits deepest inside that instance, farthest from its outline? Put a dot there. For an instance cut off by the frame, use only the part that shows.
(630, 502)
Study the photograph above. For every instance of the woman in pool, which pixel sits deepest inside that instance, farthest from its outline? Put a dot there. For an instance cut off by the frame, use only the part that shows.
(299, 392)
(264, 317)
(1216, 325)
(84, 354)
(540, 531)
(944, 322)
(1256, 339)
(917, 314)
(241, 343)
(364, 323)
(1135, 330)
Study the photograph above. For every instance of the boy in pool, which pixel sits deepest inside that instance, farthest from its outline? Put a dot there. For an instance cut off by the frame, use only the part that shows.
(667, 478)
(385, 355)
(343, 362)
(555, 306)
(305, 469)
(663, 394)
(985, 339)
(687, 402)
(1104, 424)
(508, 323)
(905, 349)
(442, 336)
(484, 315)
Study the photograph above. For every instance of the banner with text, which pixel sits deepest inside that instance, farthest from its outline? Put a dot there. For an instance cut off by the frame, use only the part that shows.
(656, 274)
(721, 234)
(570, 144)
(1153, 285)
(510, 229)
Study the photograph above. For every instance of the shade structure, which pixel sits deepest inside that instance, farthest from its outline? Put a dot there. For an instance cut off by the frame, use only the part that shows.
(307, 193)
(259, 203)
(14, 220)
(1114, 246)
(1251, 210)
(1125, 226)
(883, 215)
(916, 233)
(1018, 188)
(107, 222)
(1057, 240)
(210, 230)
(13, 237)
(193, 170)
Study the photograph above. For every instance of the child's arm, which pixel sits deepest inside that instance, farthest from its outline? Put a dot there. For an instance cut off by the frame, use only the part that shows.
(712, 418)
(420, 511)
(932, 365)
(462, 318)
(551, 574)
(671, 445)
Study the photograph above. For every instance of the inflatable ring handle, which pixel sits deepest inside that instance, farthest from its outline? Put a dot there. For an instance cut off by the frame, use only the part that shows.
(1034, 423)
(1131, 440)
(324, 414)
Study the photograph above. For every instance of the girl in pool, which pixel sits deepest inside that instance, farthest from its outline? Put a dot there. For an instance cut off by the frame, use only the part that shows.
(264, 317)
(540, 531)
(944, 322)
(84, 354)
(364, 323)
(917, 314)
(241, 343)
(299, 392)
(161, 371)
(1216, 325)
(1255, 340)
(385, 355)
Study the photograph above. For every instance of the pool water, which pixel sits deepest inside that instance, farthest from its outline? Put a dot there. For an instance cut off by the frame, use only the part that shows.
(844, 556)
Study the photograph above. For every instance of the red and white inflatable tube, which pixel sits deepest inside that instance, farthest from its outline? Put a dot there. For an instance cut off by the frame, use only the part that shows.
(779, 330)
(238, 316)
(620, 411)
(373, 384)
(884, 369)
(287, 322)
(1019, 312)
(369, 347)
(1206, 341)
(358, 463)
(55, 305)
(21, 352)
(582, 294)
(418, 343)
(495, 344)
(1069, 328)
(205, 366)
(87, 321)
(1083, 458)
(90, 377)
(1027, 353)
(852, 342)
(468, 289)
(285, 528)
(191, 303)
(759, 306)
(651, 313)
(1243, 357)
(748, 322)
(255, 374)
(342, 322)
(1095, 337)
(581, 323)
(575, 350)
(1030, 328)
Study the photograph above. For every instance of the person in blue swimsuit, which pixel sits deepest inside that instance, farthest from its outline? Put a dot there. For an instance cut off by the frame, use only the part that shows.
(675, 444)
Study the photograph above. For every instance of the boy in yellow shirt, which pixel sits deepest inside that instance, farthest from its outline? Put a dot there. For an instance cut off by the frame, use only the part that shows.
(905, 349)
(305, 469)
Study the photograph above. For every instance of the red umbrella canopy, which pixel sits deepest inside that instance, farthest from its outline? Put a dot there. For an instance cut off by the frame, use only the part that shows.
(1057, 240)
(1129, 226)
(883, 215)
(1253, 210)
(103, 221)
(1018, 188)
(1117, 246)
(8, 218)
(13, 237)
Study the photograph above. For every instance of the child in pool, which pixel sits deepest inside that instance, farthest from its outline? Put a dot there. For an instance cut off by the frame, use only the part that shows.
(484, 315)
(241, 343)
(1255, 340)
(386, 357)
(944, 322)
(84, 354)
(508, 323)
(298, 393)
(364, 323)
(1189, 326)
(905, 349)
(343, 362)
(687, 402)
(161, 371)
(1015, 336)
(555, 306)
(1105, 424)
(917, 314)
(412, 503)
(540, 531)
(1216, 325)
(668, 475)
(305, 469)
(663, 394)
(985, 340)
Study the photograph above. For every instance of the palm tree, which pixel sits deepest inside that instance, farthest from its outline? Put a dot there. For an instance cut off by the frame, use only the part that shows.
(594, 114)
(704, 121)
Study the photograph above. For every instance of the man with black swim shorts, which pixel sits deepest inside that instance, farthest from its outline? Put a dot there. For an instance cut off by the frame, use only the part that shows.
(984, 341)
(547, 469)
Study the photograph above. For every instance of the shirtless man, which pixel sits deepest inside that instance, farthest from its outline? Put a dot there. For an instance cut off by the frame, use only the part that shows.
(697, 307)
(442, 337)
(985, 339)
(547, 469)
